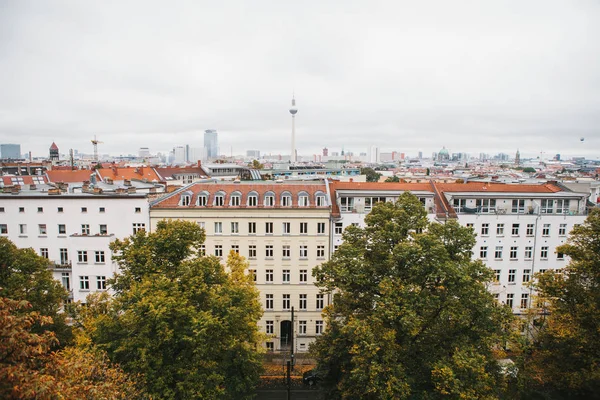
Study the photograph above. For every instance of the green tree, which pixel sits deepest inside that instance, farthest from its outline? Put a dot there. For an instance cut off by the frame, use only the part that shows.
(372, 175)
(24, 275)
(179, 318)
(393, 179)
(563, 361)
(529, 169)
(256, 164)
(411, 315)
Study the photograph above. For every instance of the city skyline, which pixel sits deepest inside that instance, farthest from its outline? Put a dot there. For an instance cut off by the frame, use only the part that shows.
(471, 77)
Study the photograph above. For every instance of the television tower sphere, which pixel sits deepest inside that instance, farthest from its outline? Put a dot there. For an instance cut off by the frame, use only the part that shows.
(293, 109)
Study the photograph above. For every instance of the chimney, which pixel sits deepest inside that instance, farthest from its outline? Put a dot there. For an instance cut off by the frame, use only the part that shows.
(199, 163)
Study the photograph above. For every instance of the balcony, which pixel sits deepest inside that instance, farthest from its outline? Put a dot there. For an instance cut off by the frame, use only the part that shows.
(61, 266)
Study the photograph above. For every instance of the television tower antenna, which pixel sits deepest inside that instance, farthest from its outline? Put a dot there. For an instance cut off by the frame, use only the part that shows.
(293, 111)
(95, 142)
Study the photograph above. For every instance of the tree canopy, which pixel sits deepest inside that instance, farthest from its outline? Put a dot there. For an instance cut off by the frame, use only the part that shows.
(179, 318)
(411, 315)
(564, 359)
(372, 175)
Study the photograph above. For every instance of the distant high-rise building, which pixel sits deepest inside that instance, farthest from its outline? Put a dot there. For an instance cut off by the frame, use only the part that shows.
(420, 155)
(325, 152)
(10, 151)
(374, 154)
(557, 157)
(518, 158)
(54, 152)
(143, 152)
(211, 144)
(253, 154)
(179, 155)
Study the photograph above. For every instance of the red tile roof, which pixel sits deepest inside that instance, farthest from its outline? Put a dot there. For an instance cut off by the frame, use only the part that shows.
(122, 173)
(27, 179)
(69, 176)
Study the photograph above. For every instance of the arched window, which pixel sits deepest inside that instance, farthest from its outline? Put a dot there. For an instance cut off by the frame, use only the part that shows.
(185, 199)
(269, 200)
(303, 199)
(202, 199)
(219, 199)
(286, 199)
(252, 199)
(235, 199)
(320, 199)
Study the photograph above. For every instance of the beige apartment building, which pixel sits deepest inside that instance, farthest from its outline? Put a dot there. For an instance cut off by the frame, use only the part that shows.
(282, 229)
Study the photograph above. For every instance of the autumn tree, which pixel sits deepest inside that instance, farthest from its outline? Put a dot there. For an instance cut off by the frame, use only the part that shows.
(411, 316)
(29, 369)
(24, 275)
(179, 318)
(564, 360)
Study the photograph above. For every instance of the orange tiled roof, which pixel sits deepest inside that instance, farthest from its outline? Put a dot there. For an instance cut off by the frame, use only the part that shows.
(27, 179)
(194, 190)
(69, 176)
(122, 173)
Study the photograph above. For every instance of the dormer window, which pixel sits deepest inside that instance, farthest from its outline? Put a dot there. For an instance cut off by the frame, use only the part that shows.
(202, 200)
(269, 199)
(303, 200)
(286, 200)
(320, 200)
(219, 199)
(235, 199)
(252, 199)
(185, 200)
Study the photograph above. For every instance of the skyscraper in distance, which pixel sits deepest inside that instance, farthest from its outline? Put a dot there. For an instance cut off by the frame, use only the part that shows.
(211, 144)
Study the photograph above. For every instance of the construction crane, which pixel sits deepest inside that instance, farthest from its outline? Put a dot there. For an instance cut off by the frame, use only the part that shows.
(95, 142)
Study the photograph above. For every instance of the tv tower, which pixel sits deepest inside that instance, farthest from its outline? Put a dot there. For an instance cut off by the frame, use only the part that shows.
(293, 111)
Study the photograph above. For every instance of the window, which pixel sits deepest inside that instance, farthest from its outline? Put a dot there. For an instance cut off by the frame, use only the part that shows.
(303, 302)
(286, 302)
(1, 209)
(202, 250)
(320, 200)
(509, 299)
(185, 200)
(202, 199)
(269, 328)
(235, 200)
(103, 229)
(546, 230)
(542, 271)
(526, 275)
(269, 200)
(485, 229)
(138, 210)
(303, 228)
(285, 276)
(269, 228)
(562, 230)
(102, 209)
(301, 327)
(546, 206)
(235, 227)
(252, 228)
(346, 204)
(303, 276)
(270, 346)
(511, 275)
(321, 251)
(320, 228)
(286, 200)
(269, 275)
(219, 250)
(483, 252)
(84, 283)
(303, 251)
(101, 282)
(138, 226)
(287, 228)
(560, 256)
(528, 252)
(498, 253)
(269, 302)
(497, 275)
(287, 252)
(218, 228)
(235, 248)
(82, 256)
(66, 280)
(42, 228)
(530, 229)
(371, 201)
(544, 252)
(513, 252)
(470, 225)
(500, 229)
(518, 206)
(64, 256)
(486, 205)
(524, 300)
(562, 206)
(269, 251)
(252, 274)
(320, 301)
(318, 327)
(40, 209)
(23, 229)
(303, 200)
(219, 200)
(100, 257)
(339, 228)
(252, 251)
(252, 200)
(44, 252)
(515, 230)
(21, 209)
(85, 229)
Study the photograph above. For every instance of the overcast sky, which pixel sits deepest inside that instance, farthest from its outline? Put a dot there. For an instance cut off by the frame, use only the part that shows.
(473, 76)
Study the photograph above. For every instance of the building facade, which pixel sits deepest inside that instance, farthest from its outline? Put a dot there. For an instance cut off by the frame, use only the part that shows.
(211, 144)
(283, 232)
(10, 151)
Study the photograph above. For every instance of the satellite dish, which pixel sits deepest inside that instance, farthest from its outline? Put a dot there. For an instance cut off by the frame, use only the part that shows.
(581, 139)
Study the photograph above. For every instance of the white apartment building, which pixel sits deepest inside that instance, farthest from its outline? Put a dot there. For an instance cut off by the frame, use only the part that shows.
(518, 227)
(72, 230)
(282, 229)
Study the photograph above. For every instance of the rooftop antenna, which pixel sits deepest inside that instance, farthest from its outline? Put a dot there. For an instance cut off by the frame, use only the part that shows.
(95, 142)
(293, 111)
